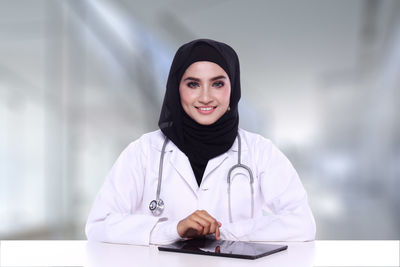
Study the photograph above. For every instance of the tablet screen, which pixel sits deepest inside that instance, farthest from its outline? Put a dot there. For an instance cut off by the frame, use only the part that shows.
(224, 248)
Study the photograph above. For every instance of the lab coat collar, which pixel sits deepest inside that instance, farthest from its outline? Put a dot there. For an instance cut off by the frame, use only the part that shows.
(185, 169)
(158, 143)
(235, 146)
(232, 152)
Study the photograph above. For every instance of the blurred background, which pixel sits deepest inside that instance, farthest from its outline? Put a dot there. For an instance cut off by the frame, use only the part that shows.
(80, 80)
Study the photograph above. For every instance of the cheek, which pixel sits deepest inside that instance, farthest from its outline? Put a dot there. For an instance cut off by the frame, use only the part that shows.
(186, 96)
(225, 96)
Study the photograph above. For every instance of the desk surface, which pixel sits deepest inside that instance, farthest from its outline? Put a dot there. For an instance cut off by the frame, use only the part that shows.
(83, 253)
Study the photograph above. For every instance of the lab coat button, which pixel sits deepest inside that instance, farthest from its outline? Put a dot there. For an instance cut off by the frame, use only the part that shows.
(204, 189)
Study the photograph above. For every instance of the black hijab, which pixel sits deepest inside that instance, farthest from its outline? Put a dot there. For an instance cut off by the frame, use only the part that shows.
(200, 143)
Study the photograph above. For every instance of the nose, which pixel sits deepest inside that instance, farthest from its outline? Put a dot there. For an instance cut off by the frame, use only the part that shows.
(205, 97)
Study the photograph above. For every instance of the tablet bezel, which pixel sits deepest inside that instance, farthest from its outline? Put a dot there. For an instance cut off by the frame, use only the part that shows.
(176, 247)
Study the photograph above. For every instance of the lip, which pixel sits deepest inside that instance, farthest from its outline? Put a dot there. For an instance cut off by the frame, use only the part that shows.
(205, 110)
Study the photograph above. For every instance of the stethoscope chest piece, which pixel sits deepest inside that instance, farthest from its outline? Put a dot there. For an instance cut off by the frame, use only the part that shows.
(156, 207)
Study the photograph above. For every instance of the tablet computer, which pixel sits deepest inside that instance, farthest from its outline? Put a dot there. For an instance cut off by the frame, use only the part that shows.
(223, 248)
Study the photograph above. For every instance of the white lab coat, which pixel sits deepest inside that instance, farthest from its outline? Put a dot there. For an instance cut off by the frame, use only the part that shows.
(121, 214)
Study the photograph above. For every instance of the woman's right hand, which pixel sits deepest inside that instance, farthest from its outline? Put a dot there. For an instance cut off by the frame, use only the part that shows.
(198, 224)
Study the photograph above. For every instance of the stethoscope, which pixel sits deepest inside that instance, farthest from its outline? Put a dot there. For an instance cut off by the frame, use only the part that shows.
(157, 206)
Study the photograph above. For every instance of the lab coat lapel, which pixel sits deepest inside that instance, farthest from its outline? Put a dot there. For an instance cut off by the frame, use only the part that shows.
(213, 164)
(182, 165)
(217, 161)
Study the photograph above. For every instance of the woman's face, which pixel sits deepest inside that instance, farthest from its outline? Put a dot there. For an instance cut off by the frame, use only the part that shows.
(205, 91)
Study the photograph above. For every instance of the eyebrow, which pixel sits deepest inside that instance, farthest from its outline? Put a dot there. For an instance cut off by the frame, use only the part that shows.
(212, 79)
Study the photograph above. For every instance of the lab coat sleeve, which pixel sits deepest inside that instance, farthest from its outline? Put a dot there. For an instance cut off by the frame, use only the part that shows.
(165, 232)
(115, 215)
(289, 217)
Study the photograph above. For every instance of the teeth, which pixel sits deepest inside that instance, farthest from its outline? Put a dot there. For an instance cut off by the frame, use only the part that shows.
(205, 109)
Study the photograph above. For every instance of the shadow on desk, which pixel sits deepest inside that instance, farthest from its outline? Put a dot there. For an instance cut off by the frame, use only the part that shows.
(105, 254)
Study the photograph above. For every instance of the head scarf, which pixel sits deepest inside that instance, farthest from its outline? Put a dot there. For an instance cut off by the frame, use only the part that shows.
(200, 143)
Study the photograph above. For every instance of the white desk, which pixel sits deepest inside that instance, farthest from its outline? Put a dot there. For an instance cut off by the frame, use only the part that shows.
(83, 253)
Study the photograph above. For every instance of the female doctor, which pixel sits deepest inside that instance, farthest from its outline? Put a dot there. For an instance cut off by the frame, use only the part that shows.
(200, 174)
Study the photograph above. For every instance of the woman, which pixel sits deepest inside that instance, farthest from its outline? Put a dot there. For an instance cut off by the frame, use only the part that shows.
(184, 169)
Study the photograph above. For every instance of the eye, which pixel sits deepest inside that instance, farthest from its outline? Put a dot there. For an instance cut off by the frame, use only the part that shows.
(192, 84)
(218, 84)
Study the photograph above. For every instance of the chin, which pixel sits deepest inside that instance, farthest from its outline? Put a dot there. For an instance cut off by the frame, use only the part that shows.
(205, 122)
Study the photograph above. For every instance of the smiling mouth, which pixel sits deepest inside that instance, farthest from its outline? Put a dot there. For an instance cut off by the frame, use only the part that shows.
(206, 108)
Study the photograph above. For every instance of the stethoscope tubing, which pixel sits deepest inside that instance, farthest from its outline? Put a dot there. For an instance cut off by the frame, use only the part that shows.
(229, 179)
(158, 209)
(160, 168)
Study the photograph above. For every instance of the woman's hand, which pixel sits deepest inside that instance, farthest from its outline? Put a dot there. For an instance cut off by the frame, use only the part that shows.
(198, 224)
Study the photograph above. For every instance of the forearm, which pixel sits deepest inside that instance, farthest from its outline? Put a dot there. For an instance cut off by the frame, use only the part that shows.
(121, 228)
(297, 225)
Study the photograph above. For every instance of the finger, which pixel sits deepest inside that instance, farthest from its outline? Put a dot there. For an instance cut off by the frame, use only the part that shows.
(206, 216)
(194, 229)
(204, 213)
(203, 222)
(189, 228)
(213, 228)
(214, 223)
(217, 232)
